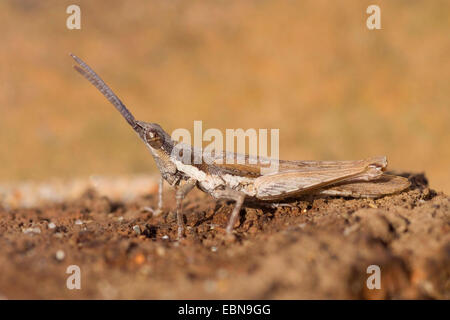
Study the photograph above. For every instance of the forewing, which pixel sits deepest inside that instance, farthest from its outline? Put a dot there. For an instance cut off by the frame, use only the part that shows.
(287, 165)
(251, 166)
(242, 165)
(304, 179)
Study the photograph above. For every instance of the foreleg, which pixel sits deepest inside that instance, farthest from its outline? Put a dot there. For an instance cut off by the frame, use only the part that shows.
(181, 192)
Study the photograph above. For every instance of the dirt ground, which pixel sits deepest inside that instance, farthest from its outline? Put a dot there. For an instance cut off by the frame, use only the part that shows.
(320, 248)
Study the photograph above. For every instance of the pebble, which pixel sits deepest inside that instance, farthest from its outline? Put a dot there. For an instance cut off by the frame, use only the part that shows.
(160, 251)
(139, 259)
(60, 255)
(51, 225)
(137, 229)
(210, 286)
(373, 205)
(222, 273)
(350, 229)
(31, 230)
(147, 209)
(145, 270)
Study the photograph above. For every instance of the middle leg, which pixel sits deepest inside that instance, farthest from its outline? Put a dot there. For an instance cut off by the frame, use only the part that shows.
(238, 197)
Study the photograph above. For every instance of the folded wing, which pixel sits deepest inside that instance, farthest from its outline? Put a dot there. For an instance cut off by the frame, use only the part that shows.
(314, 175)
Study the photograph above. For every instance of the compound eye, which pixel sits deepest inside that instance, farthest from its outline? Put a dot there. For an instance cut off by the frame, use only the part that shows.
(153, 139)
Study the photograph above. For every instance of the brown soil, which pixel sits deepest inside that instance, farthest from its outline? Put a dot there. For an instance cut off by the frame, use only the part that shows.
(320, 248)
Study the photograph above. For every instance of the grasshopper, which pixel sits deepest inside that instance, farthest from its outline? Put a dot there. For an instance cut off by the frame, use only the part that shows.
(245, 182)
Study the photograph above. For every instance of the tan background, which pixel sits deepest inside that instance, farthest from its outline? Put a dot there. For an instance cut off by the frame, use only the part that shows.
(311, 68)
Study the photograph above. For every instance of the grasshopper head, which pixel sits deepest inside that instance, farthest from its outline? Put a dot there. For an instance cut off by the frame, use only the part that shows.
(153, 135)
(160, 145)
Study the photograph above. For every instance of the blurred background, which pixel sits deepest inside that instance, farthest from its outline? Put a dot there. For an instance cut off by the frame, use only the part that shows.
(335, 89)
